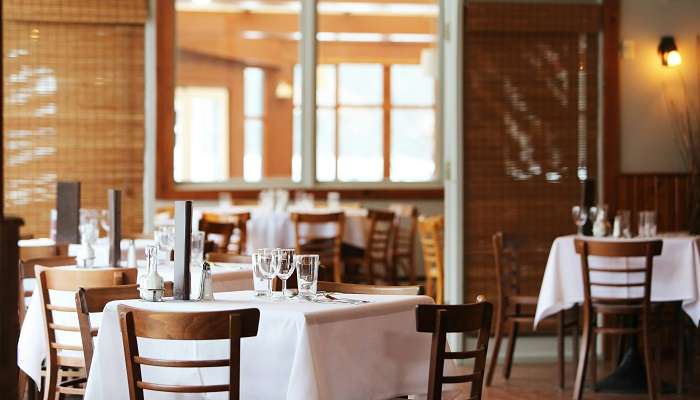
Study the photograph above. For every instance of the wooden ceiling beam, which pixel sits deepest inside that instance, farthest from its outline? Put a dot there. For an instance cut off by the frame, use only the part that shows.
(288, 23)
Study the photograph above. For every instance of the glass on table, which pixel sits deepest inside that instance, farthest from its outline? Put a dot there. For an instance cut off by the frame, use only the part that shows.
(580, 215)
(622, 227)
(307, 275)
(647, 224)
(197, 249)
(165, 240)
(284, 267)
(263, 272)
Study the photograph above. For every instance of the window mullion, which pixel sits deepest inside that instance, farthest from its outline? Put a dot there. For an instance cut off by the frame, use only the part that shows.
(307, 50)
(387, 121)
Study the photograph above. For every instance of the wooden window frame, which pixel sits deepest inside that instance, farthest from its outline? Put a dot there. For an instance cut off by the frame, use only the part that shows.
(168, 189)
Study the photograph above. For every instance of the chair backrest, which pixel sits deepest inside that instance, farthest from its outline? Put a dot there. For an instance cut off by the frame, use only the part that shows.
(307, 241)
(381, 227)
(223, 229)
(506, 263)
(229, 258)
(26, 271)
(239, 235)
(215, 325)
(466, 318)
(325, 286)
(431, 236)
(54, 250)
(626, 277)
(405, 225)
(72, 280)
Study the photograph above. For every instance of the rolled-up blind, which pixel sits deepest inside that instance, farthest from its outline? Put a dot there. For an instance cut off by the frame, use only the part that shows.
(74, 105)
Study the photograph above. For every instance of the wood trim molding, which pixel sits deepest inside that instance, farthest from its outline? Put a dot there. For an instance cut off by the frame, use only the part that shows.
(611, 100)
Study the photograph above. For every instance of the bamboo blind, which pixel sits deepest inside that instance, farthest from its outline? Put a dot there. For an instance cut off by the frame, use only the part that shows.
(74, 84)
(530, 120)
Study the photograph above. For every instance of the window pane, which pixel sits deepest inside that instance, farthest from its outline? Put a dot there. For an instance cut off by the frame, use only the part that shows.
(361, 84)
(325, 145)
(296, 86)
(201, 127)
(296, 146)
(411, 86)
(360, 146)
(325, 85)
(412, 145)
(253, 91)
(252, 158)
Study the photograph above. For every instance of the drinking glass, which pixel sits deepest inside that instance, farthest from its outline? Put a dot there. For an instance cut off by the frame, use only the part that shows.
(649, 222)
(333, 200)
(284, 267)
(165, 239)
(307, 275)
(197, 249)
(580, 215)
(104, 220)
(264, 266)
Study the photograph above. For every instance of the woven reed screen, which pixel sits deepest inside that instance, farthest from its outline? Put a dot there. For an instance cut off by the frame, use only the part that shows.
(74, 92)
(530, 124)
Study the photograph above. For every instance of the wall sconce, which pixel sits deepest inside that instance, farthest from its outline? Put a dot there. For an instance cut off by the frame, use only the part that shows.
(670, 57)
(283, 90)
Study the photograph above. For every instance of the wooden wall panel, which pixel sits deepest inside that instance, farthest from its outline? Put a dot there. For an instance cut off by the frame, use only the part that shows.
(667, 194)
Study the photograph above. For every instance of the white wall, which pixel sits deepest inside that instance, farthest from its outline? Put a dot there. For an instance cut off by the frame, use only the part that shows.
(647, 138)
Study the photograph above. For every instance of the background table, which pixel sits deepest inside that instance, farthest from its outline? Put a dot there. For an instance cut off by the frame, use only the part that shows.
(303, 351)
(32, 347)
(101, 248)
(675, 277)
(269, 228)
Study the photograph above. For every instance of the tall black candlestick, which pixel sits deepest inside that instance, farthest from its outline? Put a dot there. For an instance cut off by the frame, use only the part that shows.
(115, 226)
(67, 212)
(183, 249)
(588, 201)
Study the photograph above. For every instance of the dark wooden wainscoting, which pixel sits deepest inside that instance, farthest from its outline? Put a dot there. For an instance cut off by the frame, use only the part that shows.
(665, 193)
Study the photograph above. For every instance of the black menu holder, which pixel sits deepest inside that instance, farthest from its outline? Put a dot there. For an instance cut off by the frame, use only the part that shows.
(183, 243)
(68, 212)
(588, 201)
(114, 198)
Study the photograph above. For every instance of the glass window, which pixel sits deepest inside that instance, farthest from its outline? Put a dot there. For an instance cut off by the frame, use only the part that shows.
(360, 147)
(360, 84)
(253, 127)
(412, 145)
(201, 127)
(411, 86)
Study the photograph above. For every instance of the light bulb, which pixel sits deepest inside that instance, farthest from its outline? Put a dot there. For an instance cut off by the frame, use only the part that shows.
(673, 58)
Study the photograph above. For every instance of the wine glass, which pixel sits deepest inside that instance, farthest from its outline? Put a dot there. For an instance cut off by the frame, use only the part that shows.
(580, 216)
(197, 249)
(284, 267)
(264, 265)
(104, 221)
(165, 239)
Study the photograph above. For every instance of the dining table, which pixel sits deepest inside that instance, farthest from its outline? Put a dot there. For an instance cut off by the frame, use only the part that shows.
(274, 228)
(675, 279)
(304, 350)
(101, 248)
(32, 346)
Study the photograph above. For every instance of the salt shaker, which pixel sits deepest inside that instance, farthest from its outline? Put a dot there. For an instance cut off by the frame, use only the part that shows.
(131, 255)
(206, 290)
(152, 285)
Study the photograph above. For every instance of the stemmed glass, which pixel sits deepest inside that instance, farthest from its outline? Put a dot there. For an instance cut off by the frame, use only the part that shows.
(284, 267)
(580, 215)
(265, 266)
(197, 249)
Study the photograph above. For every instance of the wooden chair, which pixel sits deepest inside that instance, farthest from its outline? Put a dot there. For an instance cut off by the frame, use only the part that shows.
(353, 288)
(375, 256)
(239, 236)
(232, 325)
(613, 304)
(70, 280)
(229, 258)
(26, 271)
(222, 229)
(466, 318)
(93, 300)
(510, 312)
(431, 236)
(328, 248)
(403, 250)
(30, 252)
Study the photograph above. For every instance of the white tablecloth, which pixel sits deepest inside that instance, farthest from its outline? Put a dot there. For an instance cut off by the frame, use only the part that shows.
(32, 347)
(268, 228)
(303, 351)
(675, 277)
